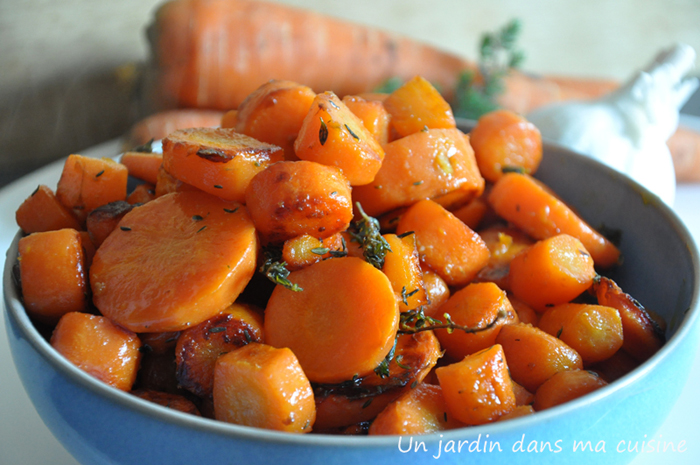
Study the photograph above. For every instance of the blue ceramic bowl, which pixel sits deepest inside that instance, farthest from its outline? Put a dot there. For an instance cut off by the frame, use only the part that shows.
(101, 425)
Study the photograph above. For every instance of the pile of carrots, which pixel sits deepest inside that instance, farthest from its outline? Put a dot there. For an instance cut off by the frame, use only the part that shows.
(346, 266)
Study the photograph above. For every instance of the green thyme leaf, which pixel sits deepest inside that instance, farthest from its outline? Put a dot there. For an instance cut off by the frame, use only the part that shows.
(366, 232)
(275, 269)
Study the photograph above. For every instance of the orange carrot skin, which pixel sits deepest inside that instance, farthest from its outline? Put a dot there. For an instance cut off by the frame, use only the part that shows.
(102, 220)
(141, 278)
(445, 244)
(293, 198)
(566, 386)
(106, 351)
(143, 166)
(42, 211)
(529, 205)
(504, 139)
(332, 135)
(402, 267)
(341, 325)
(426, 164)
(372, 114)
(218, 161)
(53, 274)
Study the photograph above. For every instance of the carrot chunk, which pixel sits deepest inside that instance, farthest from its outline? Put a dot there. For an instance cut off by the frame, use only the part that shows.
(170, 400)
(99, 347)
(305, 250)
(402, 267)
(262, 386)
(174, 262)
(42, 211)
(141, 194)
(566, 386)
(142, 165)
(504, 244)
(372, 114)
(103, 219)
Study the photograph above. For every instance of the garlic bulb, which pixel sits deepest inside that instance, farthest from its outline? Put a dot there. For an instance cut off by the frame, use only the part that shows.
(628, 128)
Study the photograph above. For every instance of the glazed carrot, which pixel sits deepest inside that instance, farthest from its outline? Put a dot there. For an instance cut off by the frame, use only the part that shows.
(417, 105)
(478, 389)
(143, 166)
(594, 331)
(445, 244)
(274, 113)
(566, 386)
(305, 250)
(167, 183)
(166, 399)
(426, 164)
(158, 125)
(174, 262)
(335, 411)
(332, 135)
(42, 211)
(517, 412)
(529, 205)
(341, 325)
(535, 356)
(372, 114)
(522, 395)
(503, 139)
(616, 366)
(159, 343)
(421, 410)
(141, 194)
(477, 305)
(53, 275)
(88, 248)
(104, 350)
(642, 335)
(218, 161)
(292, 198)
(262, 386)
(472, 213)
(550, 272)
(437, 290)
(525, 313)
(402, 267)
(504, 244)
(102, 220)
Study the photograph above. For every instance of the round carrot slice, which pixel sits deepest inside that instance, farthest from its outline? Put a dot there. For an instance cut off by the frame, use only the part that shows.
(174, 262)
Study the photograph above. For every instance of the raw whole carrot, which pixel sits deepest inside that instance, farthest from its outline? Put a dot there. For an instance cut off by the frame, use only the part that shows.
(160, 124)
(143, 166)
(566, 386)
(174, 262)
(42, 211)
(341, 325)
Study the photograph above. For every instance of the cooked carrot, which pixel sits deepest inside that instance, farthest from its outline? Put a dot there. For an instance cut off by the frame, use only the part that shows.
(229, 119)
(104, 350)
(402, 267)
(594, 331)
(335, 411)
(42, 211)
(472, 213)
(437, 290)
(417, 105)
(166, 399)
(478, 389)
(102, 220)
(517, 412)
(642, 335)
(88, 248)
(53, 274)
(552, 271)
(305, 250)
(616, 366)
(218, 161)
(167, 183)
(157, 371)
(158, 125)
(478, 306)
(143, 166)
(174, 262)
(445, 244)
(259, 385)
(535, 356)
(525, 313)
(503, 139)
(566, 386)
(421, 410)
(504, 244)
(341, 325)
(200, 346)
(529, 205)
(159, 343)
(522, 395)
(426, 164)
(274, 113)
(141, 194)
(292, 198)
(332, 135)
(372, 114)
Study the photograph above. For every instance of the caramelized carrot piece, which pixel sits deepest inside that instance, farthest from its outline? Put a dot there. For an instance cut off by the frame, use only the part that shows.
(332, 135)
(262, 386)
(445, 244)
(420, 410)
(141, 194)
(615, 367)
(535, 356)
(97, 346)
(142, 165)
(218, 161)
(426, 164)
(372, 114)
(417, 105)
(170, 400)
(503, 139)
(167, 184)
(293, 198)
(504, 244)
(42, 211)
(88, 248)
(305, 250)
(102, 220)
(522, 395)
(517, 412)
(525, 313)
(528, 204)
(53, 275)
(594, 331)
(565, 386)
(478, 389)
(437, 290)
(341, 325)
(472, 213)
(402, 267)
(174, 262)
(552, 271)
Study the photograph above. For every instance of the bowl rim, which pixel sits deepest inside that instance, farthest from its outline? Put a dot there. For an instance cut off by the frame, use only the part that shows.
(16, 312)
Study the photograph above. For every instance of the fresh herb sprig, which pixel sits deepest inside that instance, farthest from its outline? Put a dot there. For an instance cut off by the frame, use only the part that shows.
(275, 269)
(366, 232)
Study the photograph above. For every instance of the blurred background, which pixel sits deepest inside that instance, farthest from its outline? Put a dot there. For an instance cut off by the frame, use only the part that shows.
(69, 68)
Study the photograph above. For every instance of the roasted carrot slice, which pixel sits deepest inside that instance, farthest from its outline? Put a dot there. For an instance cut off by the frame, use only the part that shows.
(218, 161)
(102, 220)
(106, 351)
(565, 386)
(174, 262)
(532, 207)
(142, 165)
(42, 211)
(342, 324)
(305, 250)
(402, 267)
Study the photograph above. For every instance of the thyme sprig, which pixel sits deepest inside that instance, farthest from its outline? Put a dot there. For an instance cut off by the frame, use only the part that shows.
(366, 232)
(275, 269)
(145, 148)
